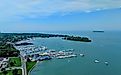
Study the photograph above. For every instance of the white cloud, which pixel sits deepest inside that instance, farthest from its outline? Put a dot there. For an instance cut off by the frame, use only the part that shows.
(17, 9)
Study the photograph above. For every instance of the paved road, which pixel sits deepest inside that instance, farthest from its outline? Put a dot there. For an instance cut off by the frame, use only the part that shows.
(23, 61)
(23, 64)
(13, 68)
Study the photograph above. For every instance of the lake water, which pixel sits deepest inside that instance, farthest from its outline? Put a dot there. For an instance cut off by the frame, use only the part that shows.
(104, 47)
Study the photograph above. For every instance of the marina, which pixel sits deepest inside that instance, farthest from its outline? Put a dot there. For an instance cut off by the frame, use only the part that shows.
(40, 53)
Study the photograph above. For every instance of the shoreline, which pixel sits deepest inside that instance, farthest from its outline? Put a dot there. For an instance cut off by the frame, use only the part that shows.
(32, 68)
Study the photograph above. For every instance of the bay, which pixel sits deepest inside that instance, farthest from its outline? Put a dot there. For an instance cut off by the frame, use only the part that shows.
(104, 47)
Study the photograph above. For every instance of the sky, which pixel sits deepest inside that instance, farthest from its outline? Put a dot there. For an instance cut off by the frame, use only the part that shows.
(59, 15)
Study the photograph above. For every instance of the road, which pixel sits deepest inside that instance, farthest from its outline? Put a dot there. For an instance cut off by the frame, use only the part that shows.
(23, 64)
(23, 61)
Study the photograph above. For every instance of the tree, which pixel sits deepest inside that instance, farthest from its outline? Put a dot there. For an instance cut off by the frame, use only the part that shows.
(12, 64)
(15, 72)
(5, 72)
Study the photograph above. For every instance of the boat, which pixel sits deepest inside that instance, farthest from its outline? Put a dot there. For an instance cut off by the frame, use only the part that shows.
(73, 55)
(52, 50)
(82, 55)
(61, 57)
(66, 56)
(96, 61)
(106, 63)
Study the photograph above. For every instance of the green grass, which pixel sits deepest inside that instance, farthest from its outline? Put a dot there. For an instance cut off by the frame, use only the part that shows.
(16, 62)
(10, 72)
(30, 65)
(20, 72)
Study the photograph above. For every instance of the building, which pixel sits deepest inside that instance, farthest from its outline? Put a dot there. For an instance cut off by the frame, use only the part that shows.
(3, 63)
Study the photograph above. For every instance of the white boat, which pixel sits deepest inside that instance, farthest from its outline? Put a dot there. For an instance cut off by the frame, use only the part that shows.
(73, 55)
(82, 55)
(66, 56)
(61, 57)
(96, 61)
(106, 63)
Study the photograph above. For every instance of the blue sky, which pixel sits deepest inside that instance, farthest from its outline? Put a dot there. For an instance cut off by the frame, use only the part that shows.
(59, 15)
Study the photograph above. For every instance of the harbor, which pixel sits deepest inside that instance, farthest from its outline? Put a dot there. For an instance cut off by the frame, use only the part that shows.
(41, 53)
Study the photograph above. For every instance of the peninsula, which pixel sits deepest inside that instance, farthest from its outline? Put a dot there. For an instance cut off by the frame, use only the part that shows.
(78, 38)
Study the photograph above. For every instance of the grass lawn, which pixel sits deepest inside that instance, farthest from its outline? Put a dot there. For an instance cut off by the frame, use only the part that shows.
(15, 62)
(11, 72)
(30, 65)
(19, 72)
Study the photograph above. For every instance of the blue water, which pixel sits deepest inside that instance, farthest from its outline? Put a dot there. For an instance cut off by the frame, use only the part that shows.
(104, 47)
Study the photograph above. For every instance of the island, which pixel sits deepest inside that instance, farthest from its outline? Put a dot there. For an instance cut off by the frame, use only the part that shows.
(98, 31)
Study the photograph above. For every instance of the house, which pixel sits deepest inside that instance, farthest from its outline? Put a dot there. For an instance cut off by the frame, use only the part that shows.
(3, 62)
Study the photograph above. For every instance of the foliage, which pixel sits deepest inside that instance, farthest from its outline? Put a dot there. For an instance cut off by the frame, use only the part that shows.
(15, 62)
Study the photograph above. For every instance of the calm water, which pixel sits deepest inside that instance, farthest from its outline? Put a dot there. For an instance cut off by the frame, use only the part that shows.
(105, 47)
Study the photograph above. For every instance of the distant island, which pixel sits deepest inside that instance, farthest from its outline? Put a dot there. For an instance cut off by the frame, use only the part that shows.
(98, 31)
